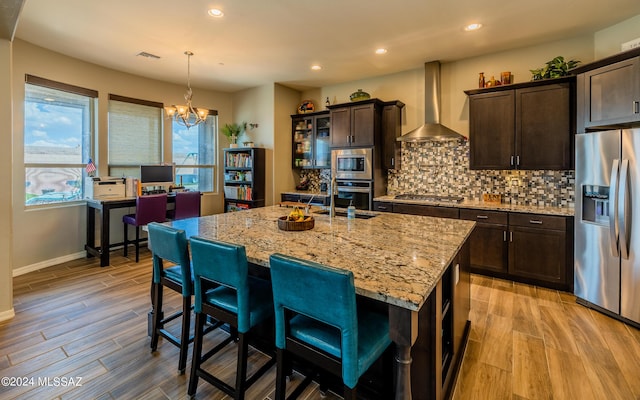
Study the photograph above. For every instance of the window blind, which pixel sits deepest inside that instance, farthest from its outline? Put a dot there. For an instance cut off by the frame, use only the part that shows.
(135, 132)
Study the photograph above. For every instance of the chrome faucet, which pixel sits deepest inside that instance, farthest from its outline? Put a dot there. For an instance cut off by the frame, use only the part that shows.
(332, 205)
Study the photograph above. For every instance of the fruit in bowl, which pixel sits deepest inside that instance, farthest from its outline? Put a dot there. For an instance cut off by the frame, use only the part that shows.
(296, 221)
(297, 216)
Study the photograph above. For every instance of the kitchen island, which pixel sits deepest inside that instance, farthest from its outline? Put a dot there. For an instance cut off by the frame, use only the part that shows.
(417, 266)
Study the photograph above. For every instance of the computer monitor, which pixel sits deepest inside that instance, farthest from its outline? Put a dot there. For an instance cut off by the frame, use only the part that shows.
(156, 174)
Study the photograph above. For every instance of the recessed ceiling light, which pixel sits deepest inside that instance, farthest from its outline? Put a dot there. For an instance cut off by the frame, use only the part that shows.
(214, 12)
(381, 51)
(316, 67)
(473, 27)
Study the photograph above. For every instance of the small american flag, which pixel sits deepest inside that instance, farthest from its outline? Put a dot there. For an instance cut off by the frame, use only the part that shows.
(91, 168)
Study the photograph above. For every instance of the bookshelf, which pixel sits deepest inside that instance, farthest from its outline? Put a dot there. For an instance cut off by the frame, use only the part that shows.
(244, 180)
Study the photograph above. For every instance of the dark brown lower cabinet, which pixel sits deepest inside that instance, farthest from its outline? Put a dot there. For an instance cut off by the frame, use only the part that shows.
(489, 246)
(531, 248)
(428, 211)
(539, 249)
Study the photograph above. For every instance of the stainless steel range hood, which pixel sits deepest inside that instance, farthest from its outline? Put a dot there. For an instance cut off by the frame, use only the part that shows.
(432, 128)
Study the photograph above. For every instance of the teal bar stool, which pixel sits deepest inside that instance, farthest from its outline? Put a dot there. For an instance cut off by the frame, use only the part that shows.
(225, 291)
(170, 244)
(317, 320)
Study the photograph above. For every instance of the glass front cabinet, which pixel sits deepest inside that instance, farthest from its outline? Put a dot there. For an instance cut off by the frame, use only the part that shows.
(311, 140)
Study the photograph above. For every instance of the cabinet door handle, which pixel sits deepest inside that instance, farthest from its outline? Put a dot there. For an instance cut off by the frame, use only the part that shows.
(636, 107)
(382, 207)
(353, 139)
(511, 162)
(504, 235)
(535, 221)
(517, 161)
(511, 236)
(482, 217)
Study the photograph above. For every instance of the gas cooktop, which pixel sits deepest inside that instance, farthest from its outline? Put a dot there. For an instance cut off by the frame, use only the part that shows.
(430, 197)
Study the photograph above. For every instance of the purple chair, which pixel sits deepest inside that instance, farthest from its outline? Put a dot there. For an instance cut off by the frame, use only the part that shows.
(150, 208)
(187, 206)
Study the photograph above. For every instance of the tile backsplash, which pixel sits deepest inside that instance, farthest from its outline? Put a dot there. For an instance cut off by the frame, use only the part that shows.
(443, 168)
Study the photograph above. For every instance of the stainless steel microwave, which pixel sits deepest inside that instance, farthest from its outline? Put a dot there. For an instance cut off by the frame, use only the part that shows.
(352, 163)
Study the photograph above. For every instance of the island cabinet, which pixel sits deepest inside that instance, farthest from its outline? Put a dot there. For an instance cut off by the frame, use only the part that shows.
(356, 124)
(489, 245)
(525, 126)
(311, 140)
(244, 178)
(608, 92)
(443, 329)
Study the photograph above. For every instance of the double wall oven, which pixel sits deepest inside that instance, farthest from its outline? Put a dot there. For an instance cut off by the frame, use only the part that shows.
(354, 173)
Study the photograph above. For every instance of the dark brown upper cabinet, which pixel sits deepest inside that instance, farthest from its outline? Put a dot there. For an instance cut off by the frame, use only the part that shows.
(608, 92)
(356, 124)
(525, 126)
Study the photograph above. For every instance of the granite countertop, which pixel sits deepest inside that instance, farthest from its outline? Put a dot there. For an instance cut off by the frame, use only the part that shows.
(478, 204)
(308, 193)
(395, 258)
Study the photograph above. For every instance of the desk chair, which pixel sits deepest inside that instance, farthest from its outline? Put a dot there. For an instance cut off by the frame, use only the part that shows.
(225, 291)
(187, 205)
(317, 319)
(149, 208)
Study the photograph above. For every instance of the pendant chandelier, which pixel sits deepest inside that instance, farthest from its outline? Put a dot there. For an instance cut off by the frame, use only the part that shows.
(185, 114)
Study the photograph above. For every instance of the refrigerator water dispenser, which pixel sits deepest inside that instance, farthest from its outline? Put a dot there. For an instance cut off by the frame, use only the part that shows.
(595, 204)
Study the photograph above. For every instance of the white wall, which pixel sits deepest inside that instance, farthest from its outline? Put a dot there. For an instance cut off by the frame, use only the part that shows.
(285, 178)
(256, 106)
(43, 226)
(608, 41)
(6, 138)
(456, 77)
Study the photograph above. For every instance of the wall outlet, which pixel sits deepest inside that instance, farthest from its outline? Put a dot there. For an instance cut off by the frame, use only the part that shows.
(632, 44)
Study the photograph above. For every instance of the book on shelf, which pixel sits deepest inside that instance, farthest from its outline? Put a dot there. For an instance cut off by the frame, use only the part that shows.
(238, 192)
(238, 160)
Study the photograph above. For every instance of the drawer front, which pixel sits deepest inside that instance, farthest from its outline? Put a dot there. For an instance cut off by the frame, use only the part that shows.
(382, 206)
(289, 197)
(429, 211)
(485, 217)
(538, 221)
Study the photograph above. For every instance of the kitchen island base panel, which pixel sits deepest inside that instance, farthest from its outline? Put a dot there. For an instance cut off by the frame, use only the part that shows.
(426, 264)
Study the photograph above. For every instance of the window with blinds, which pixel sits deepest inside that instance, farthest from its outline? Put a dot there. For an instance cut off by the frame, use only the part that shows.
(58, 132)
(135, 135)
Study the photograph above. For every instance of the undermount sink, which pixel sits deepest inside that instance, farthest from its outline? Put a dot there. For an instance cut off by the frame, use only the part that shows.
(344, 214)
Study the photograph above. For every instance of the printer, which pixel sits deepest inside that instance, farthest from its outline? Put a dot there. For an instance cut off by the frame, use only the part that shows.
(104, 187)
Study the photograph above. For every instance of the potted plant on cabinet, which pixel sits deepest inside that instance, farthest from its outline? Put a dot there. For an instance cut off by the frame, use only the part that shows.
(232, 131)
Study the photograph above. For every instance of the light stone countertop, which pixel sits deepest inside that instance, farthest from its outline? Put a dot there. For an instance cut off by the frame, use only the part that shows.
(308, 193)
(395, 258)
(478, 204)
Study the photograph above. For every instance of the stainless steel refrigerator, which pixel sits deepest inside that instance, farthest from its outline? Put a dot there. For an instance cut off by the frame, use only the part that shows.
(607, 222)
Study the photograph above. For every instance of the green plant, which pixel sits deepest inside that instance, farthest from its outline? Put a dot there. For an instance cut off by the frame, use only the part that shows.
(554, 69)
(232, 131)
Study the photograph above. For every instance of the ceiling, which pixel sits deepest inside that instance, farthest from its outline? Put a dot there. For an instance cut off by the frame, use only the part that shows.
(259, 42)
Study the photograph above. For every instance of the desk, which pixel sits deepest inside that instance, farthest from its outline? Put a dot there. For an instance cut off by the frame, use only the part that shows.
(396, 259)
(104, 207)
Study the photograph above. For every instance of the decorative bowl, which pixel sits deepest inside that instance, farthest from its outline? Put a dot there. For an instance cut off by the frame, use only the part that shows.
(286, 225)
(359, 95)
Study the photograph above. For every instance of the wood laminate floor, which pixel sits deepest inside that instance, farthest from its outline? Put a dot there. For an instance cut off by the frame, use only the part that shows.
(77, 320)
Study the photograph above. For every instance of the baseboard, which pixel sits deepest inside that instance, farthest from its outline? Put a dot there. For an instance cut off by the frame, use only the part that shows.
(6, 315)
(48, 263)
